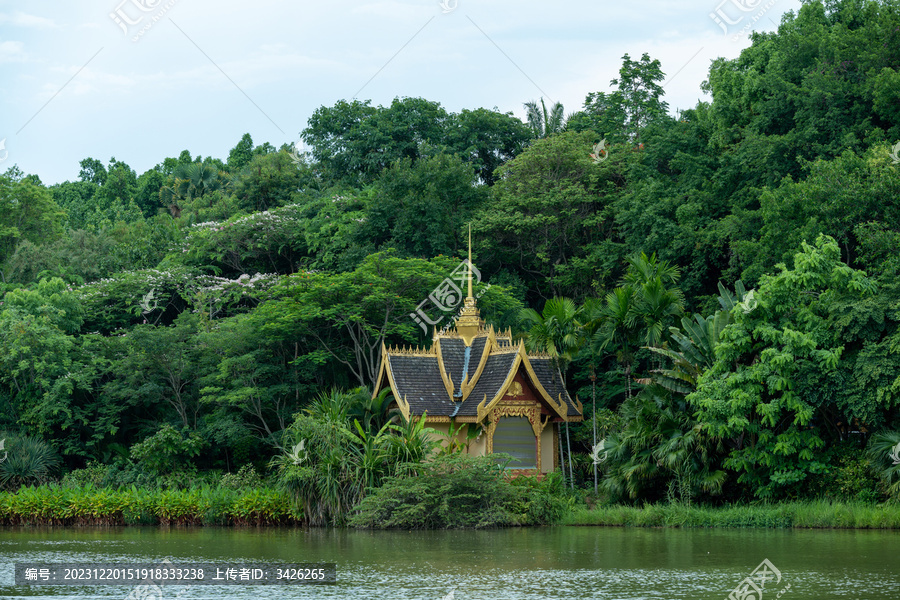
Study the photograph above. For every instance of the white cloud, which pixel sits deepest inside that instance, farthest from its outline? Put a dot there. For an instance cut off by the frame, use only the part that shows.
(12, 51)
(20, 19)
(291, 58)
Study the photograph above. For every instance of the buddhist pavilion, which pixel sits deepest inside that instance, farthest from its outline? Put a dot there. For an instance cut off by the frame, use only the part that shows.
(474, 375)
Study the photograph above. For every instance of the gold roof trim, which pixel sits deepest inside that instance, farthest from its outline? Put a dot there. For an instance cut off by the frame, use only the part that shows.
(404, 407)
(560, 407)
(485, 407)
(505, 350)
(448, 382)
(482, 329)
(402, 404)
(410, 351)
(382, 369)
(446, 419)
(468, 385)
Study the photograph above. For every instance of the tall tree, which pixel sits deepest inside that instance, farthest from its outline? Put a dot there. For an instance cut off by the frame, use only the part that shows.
(543, 122)
(768, 391)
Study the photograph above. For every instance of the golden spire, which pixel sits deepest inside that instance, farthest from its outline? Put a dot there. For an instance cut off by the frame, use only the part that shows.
(469, 323)
(470, 261)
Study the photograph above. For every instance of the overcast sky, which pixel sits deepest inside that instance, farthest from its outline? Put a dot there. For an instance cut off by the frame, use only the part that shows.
(140, 80)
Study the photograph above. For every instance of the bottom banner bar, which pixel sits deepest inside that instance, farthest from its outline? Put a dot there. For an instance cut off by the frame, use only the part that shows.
(169, 573)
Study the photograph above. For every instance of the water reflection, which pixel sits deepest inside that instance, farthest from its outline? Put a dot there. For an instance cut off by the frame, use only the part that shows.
(561, 562)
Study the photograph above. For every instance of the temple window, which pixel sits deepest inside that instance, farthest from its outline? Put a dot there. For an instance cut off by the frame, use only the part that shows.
(515, 436)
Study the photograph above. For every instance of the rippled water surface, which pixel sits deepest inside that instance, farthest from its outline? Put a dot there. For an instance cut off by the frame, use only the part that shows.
(560, 562)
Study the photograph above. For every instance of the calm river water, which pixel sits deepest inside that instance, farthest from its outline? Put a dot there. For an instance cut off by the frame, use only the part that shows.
(559, 562)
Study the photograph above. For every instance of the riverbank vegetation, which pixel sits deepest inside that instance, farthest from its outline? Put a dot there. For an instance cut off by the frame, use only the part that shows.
(719, 285)
(61, 505)
(821, 514)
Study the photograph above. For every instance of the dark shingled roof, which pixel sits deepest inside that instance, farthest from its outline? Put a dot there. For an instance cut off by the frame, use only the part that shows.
(548, 375)
(418, 379)
(496, 370)
(453, 351)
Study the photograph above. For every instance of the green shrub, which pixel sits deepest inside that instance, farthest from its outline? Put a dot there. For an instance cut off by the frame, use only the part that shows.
(167, 450)
(330, 464)
(882, 451)
(245, 478)
(28, 461)
(94, 474)
(547, 500)
(850, 476)
(460, 491)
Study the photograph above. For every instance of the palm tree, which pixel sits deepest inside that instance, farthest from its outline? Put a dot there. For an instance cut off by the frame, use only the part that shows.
(643, 268)
(883, 452)
(656, 304)
(616, 329)
(661, 441)
(554, 331)
(591, 313)
(544, 123)
(190, 180)
(697, 341)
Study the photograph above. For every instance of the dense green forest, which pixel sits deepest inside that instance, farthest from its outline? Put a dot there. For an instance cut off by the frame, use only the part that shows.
(720, 285)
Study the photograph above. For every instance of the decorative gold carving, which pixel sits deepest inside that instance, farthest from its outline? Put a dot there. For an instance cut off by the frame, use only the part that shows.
(469, 323)
(386, 365)
(438, 419)
(403, 405)
(448, 382)
(482, 412)
(515, 389)
(505, 350)
(560, 408)
(504, 338)
(410, 351)
(381, 371)
(469, 384)
(482, 409)
(466, 419)
(529, 410)
(545, 422)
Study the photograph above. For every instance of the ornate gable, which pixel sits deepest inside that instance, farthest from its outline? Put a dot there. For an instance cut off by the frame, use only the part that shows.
(469, 370)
